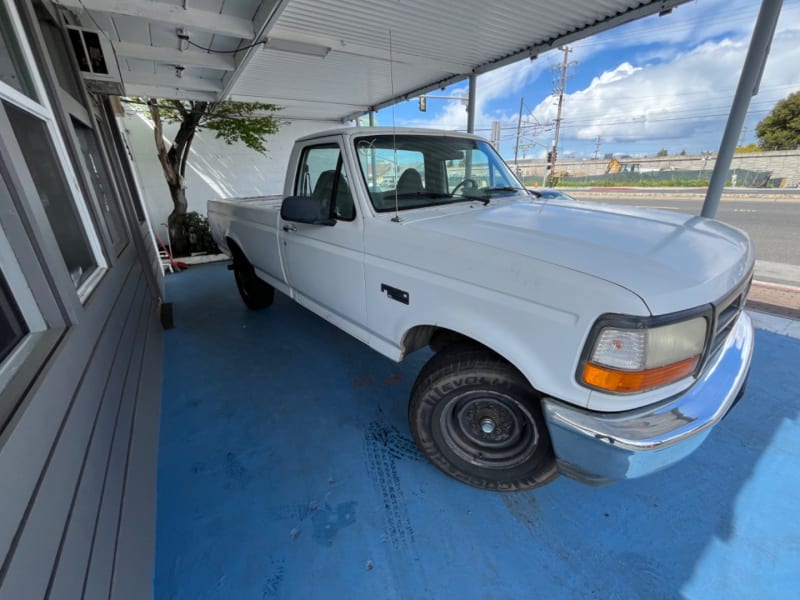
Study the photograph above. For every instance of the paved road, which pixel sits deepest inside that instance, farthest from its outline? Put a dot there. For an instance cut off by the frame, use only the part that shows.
(772, 223)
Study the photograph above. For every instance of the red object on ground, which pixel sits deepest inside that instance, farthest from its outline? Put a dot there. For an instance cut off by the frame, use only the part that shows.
(176, 264)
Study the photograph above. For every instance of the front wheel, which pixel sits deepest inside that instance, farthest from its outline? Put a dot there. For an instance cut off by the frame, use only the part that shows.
(477, 419)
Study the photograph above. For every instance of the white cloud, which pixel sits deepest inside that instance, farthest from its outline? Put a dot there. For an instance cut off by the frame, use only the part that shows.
(505, 82)
(678, 72)
(683, 101)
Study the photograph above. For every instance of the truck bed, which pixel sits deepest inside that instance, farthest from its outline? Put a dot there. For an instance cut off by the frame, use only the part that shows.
(253, 223)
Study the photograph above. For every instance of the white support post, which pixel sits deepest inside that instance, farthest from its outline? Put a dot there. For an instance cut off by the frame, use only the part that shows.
(471, 104)
(749, 81)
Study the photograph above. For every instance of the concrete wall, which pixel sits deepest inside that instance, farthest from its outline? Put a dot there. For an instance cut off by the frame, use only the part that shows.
(215, 169)
(782, 164)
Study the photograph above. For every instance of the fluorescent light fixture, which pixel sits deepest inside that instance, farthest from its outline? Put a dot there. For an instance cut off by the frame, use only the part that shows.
(297, 47)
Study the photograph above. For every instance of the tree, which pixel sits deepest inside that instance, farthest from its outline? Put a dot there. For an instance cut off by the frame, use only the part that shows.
(249, 123)
(662, 152)
(682, 152)
(780, 129)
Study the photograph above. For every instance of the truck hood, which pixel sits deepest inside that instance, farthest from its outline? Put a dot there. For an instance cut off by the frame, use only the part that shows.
(672, 261)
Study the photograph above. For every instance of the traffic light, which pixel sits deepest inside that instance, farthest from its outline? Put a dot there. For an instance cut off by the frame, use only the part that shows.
(549, 157)
(423, 103)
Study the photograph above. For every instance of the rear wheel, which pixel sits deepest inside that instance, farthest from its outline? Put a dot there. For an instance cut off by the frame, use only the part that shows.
(255, 292)
(476, 418)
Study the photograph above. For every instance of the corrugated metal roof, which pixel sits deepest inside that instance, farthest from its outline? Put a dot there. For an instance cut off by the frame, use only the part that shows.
(333, 59)
(432, 44)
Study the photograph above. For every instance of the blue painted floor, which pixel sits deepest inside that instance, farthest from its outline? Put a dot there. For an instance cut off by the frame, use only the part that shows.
(286, 470)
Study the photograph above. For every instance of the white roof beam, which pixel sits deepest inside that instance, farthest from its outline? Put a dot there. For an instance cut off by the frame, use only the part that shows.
(298, 101)
(187, 58)
(185, 83)
(371, 52)
(175, 93)
(265, 19)
(190, 18)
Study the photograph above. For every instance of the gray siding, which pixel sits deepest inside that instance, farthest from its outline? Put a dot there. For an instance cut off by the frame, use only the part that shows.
(85, 440)
(78, 456)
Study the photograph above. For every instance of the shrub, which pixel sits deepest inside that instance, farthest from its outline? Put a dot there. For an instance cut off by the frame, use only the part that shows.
(199, 234)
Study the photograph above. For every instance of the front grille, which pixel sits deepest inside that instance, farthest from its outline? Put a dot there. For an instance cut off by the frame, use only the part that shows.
(725, 313)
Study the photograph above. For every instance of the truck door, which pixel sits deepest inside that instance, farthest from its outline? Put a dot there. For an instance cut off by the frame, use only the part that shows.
(325, 264)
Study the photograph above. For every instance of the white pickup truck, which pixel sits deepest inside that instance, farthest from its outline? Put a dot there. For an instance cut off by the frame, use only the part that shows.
(597, 341)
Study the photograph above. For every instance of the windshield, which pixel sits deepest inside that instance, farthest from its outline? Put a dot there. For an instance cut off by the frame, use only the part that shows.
(414, 171)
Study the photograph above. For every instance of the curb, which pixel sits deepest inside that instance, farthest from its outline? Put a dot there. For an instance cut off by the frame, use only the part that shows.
(775, 299)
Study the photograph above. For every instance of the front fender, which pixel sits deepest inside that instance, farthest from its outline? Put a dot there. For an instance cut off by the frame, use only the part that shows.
(541, 337)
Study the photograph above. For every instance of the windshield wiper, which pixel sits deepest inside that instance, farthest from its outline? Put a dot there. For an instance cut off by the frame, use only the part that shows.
(423, 193)
(484, 199)
(506, 188)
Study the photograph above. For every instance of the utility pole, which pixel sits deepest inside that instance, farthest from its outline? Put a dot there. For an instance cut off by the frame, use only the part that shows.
(496, 135)
(596, 148)
(519, 125)
(565, 65)
(743, 136)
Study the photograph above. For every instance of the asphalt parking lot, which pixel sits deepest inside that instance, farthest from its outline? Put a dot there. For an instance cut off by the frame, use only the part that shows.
(286, 470)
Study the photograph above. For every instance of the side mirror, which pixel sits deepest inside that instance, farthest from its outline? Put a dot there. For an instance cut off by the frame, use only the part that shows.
(305, 209)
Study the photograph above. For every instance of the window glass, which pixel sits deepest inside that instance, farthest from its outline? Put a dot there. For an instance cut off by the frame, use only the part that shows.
(37, 149)
(414, 171)
(12, 65)
(12, 325)
(322, 175)
(102, 185)
(59, 55)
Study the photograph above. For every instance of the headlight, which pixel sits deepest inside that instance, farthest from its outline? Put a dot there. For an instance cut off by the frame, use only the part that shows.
(638, 356)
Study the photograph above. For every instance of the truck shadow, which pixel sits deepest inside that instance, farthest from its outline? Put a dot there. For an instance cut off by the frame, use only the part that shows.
(287, 469)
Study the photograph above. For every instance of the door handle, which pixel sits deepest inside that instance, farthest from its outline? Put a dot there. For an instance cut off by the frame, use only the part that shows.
(289, 228)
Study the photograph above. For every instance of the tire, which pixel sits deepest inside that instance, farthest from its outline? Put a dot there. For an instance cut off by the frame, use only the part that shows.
(476, 418)
(255, 292)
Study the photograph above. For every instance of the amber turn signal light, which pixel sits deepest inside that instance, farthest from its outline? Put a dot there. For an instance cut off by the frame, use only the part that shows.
(626, 382)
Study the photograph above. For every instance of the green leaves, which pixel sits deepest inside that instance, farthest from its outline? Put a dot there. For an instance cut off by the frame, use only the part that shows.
(780, 129)
(246, 122)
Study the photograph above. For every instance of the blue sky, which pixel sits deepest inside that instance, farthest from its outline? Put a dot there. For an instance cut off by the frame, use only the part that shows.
(661, 82)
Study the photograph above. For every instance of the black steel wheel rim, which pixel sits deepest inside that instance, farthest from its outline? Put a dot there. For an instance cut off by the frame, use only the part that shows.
(488, 429)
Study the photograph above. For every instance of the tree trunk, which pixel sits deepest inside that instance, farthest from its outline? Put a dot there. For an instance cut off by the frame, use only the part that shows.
(176, 220)
(173, 164)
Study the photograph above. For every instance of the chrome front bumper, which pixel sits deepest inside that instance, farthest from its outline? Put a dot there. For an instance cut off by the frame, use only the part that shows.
(599, 448)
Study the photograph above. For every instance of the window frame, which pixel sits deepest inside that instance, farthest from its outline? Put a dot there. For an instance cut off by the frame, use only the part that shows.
(340, 174)
(43, 110)
(41, 312)
(84, 110)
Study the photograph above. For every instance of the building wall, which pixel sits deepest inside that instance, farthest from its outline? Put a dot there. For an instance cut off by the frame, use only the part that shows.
(215, 169)
(80, 388)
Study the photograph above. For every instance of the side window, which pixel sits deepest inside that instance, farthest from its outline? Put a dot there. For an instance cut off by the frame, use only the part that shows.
(29, 326)
(53, 190)
(43, 220)
(322, 175)
(13, 327)
(36, 154)
(103, 188)
(13, 70)
(86, 146)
